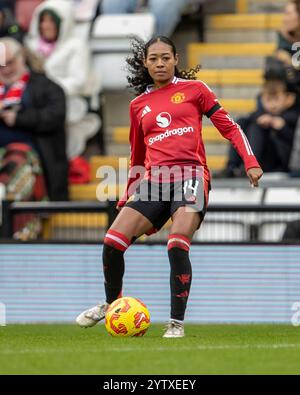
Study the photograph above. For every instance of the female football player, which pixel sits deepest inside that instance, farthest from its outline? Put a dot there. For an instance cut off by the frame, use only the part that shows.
(165, 138)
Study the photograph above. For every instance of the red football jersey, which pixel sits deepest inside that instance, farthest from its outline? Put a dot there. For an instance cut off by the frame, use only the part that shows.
(166, 128)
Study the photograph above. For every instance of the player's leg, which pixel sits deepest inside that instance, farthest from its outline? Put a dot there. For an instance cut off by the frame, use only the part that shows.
(187, 216)
(129, 225)
(182, 230)
(139, 216)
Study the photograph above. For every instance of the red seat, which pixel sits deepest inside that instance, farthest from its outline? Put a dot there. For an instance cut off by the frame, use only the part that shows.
(24, 11)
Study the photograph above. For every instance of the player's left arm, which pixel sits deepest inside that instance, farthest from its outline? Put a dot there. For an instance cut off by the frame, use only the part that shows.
(232, 132)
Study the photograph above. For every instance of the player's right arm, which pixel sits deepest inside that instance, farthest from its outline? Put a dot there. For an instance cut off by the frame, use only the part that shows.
(137, 155)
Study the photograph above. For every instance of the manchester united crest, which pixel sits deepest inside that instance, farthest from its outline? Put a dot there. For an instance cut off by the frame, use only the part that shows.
(178, 98)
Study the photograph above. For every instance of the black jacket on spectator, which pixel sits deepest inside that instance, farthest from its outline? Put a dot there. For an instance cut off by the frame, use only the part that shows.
(10, 27)
(273, 155)
(282, 139)
(284, 44)
(8, 4)
(45, 120)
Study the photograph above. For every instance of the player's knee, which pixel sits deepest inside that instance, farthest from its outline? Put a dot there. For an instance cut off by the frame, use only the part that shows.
(176, 240)
(115, 241)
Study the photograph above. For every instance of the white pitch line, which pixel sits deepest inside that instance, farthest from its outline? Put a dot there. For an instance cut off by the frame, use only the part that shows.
(136, 349)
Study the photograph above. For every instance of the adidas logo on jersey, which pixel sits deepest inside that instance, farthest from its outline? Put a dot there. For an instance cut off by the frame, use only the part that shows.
(146, 110)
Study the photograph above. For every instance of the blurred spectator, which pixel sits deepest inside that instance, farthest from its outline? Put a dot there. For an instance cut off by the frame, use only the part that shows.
(295, 154)
(270, 129)
(24, 10)
(287, 36)
(8, 4)
(167, 12)
(66, 60)
(277, 149)
(290, 34)
(32, 134)
(86, 10)
(8, 25)
(290, 31)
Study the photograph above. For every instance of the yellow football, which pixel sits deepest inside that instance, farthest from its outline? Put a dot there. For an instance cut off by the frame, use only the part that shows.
(126, 317)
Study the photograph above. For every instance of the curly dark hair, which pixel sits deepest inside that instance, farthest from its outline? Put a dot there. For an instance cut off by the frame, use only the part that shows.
(139, 77)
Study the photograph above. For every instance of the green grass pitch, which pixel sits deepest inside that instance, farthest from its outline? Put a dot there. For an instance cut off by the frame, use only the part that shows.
(206, 349)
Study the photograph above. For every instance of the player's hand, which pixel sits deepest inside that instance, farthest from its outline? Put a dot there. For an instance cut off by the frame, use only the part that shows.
(254, 174)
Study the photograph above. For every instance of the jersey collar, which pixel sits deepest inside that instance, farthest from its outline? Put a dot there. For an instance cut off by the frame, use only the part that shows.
(149, 88)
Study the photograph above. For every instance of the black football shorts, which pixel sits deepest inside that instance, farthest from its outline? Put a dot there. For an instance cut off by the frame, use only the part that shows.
(159, 201)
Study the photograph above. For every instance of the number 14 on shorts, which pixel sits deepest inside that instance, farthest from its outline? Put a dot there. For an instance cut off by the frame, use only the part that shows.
(191, 185)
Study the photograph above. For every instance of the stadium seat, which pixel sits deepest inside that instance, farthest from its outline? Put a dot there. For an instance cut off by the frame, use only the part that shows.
(272, 225)
(24, 11)
(231, 77)
(110, 44)
(85, 10)
(271, 231)
(91, 192)
(283, 196)
(197, 51)
(237, 195)
(73, 221)
(83, 192)
(227, 226)
(216, 162)
(222, 231)
(112, 161)
(121, 135)
(255, 6)
(82, 30)
(245, 22)
(85, 13)
(238, 106)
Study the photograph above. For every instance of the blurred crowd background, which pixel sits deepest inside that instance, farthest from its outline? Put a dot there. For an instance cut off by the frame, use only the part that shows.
(64, 102)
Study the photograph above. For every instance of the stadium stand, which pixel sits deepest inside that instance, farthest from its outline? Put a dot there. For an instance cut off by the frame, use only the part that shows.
(256, 6)
(110, 44)
(85, 13)
(245, 257)
(232, 59)
(234, 225)
(276, 226)
(235, 75)
(24, 11)
(233, 70)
